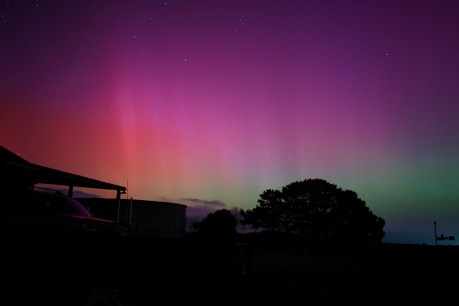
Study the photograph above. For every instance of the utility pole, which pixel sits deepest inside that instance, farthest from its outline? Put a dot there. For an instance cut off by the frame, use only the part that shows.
(435, 229)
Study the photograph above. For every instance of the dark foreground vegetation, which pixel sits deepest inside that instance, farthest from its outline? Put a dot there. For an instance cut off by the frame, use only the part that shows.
(191, 273)
(389, 274)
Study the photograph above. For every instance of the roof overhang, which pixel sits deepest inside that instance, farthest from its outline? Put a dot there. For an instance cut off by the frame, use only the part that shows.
(16, 170)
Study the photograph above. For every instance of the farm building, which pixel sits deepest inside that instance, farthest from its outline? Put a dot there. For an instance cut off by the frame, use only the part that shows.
(162, 219)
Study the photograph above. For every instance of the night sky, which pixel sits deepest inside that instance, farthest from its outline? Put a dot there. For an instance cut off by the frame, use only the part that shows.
(209, 103)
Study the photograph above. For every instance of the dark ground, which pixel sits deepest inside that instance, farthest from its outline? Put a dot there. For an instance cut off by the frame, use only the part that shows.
(387, 275)
(390, 275)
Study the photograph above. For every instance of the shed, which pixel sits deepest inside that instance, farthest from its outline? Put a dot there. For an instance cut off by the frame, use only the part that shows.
(150, 218)
(162, 219)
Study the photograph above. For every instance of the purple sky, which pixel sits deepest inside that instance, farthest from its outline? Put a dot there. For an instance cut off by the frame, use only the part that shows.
(202, 102)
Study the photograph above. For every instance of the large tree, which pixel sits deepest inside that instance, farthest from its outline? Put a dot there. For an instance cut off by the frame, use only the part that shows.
(316, 210)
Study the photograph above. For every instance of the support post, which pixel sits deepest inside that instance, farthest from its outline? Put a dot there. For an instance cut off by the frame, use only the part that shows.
(118, 199)
(130, 213)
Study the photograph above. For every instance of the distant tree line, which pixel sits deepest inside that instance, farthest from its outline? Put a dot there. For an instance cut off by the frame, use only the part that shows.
(312, 214)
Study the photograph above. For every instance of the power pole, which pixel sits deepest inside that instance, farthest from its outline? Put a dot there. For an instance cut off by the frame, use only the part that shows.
(435, 229)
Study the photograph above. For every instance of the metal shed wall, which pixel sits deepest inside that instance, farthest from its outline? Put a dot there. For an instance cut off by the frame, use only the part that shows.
(161, 219)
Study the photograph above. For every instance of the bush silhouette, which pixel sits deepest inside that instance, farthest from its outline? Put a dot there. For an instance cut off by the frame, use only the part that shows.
(219, 225)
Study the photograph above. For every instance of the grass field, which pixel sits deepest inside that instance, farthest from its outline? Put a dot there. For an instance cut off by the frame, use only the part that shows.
(389, 275)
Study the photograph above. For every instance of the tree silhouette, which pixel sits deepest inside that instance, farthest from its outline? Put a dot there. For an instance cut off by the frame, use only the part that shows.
(219, 225)
(317, 212)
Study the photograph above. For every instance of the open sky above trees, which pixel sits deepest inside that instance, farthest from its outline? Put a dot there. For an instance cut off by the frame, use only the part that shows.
(209, 103)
